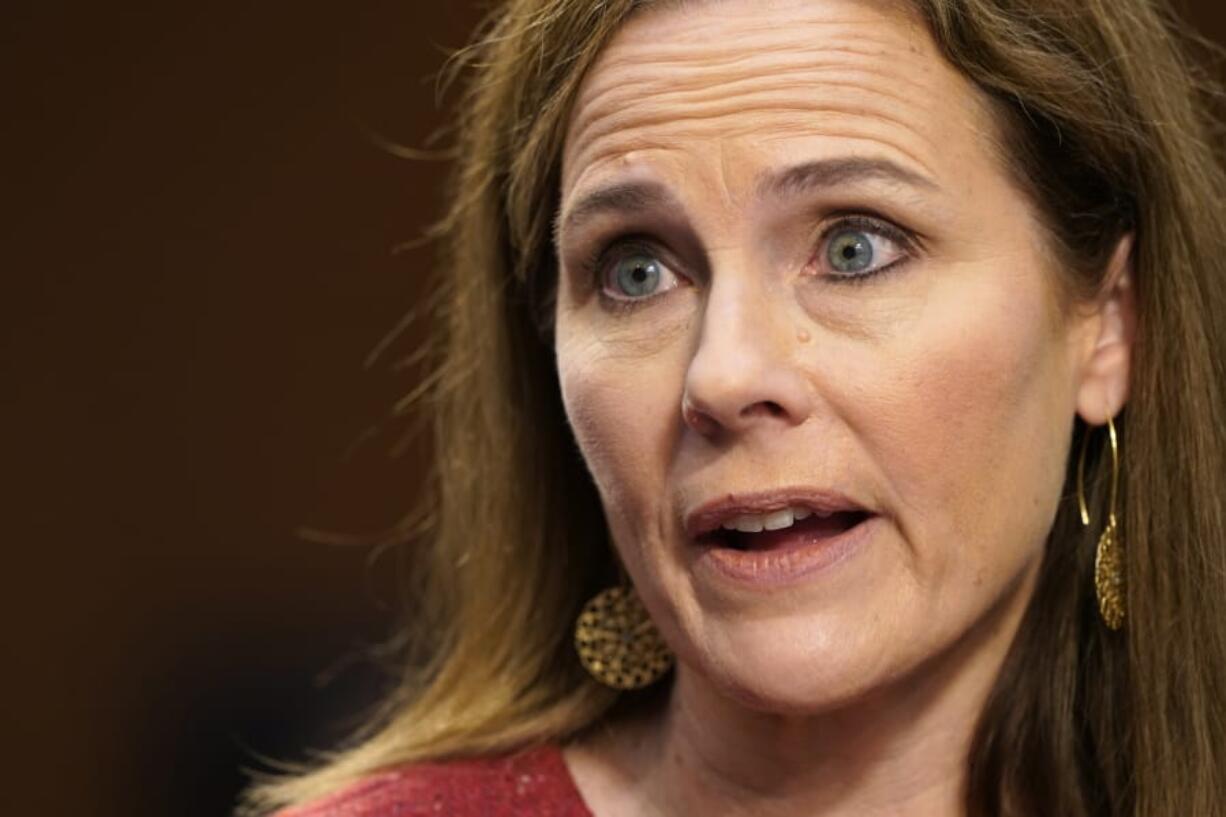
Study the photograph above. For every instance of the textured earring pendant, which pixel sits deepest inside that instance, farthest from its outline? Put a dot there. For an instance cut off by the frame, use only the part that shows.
(1109, 556)
(1109, 576)
(617, 642)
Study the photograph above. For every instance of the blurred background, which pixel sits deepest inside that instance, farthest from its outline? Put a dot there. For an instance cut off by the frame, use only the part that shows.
(200, 256)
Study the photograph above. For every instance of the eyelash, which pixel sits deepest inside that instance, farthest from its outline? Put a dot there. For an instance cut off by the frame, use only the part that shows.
(906, 240)
(608, 252)
(595, 265)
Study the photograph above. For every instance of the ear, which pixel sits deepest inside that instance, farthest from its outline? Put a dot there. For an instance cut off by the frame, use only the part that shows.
(1108, 329)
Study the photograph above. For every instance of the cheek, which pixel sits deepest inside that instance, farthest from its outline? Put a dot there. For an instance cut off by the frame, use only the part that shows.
(624, 410)
(972, 422)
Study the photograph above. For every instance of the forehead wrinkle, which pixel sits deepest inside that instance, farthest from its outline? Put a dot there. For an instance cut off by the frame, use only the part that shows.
(699, 18)
(644, 77)
(809, 79)
(700, 57)
(625, 111)
(676, 107)
(870, 84)
(755, 41)
(628, 138)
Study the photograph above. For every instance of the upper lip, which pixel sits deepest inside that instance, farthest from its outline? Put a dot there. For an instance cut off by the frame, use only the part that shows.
(712, 515)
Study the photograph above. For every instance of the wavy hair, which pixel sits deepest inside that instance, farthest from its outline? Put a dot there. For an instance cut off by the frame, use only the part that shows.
(1109, 125)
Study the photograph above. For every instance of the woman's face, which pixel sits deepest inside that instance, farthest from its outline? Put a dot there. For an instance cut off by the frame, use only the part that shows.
(795, 274)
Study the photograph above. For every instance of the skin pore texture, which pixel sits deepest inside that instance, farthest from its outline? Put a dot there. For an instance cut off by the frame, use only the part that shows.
(706, 347)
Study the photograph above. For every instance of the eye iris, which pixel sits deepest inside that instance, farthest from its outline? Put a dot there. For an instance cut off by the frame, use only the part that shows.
(638, 275)
(850, 251)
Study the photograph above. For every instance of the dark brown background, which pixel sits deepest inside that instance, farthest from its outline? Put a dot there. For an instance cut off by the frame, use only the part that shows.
(197, 259)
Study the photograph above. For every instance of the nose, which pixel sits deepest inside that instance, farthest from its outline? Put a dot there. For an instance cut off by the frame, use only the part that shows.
(745, 372)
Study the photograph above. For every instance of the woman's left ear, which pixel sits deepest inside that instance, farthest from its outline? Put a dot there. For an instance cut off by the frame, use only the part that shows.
(1107, 329)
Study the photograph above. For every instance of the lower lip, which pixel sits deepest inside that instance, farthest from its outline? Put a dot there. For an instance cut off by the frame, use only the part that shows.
(790, 561)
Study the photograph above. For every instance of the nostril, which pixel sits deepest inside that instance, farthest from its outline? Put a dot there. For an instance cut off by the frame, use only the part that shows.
(768, 408)
(736, 400)
(698, 420)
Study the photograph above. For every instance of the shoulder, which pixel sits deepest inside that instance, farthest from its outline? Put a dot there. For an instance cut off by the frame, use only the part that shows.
(529, 782)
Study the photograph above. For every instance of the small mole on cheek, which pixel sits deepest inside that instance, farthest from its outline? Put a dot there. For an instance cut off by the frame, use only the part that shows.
(803, 335)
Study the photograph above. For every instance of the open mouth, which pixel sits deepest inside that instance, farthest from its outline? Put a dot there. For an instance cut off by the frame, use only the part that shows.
(773, 532)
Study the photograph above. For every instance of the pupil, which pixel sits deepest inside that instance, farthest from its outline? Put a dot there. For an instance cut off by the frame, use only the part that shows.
(849, 252)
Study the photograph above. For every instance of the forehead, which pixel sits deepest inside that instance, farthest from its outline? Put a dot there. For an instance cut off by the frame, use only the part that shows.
(711, 92)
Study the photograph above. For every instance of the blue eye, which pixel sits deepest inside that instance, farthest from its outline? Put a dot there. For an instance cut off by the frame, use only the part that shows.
(629, 272)
(863, 248)
(636, 276)
(850, 251)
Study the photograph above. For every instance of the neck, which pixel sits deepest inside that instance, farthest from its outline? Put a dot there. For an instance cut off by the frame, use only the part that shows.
(899, 751)
(902, 749)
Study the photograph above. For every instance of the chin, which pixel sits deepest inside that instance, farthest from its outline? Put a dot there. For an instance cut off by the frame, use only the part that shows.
(807, 666)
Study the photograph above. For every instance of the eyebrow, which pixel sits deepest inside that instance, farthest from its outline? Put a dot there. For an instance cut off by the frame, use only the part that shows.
(824, 173)
(630, 197)
(624, 197)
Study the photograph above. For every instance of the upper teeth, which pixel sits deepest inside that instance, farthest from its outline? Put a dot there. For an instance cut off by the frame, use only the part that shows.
(775, 520)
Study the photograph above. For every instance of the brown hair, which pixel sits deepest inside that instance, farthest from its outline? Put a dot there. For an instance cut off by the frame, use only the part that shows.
(1108, 126)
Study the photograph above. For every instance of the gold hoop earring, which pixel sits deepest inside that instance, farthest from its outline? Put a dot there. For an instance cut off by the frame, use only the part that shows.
(617, 642)
(1109, 556)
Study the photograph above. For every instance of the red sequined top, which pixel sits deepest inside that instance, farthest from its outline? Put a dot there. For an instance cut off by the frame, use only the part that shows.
(532, 782)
